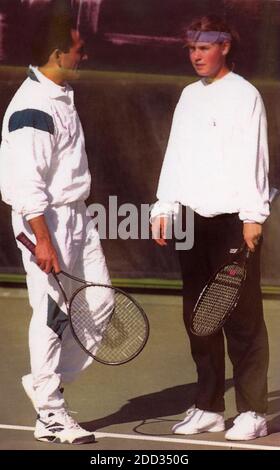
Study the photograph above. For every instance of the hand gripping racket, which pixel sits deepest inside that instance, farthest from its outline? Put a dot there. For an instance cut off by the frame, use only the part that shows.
(107, 323)
(220, 296)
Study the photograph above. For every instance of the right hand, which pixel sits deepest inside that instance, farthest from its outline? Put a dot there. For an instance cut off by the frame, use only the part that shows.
(159, 228)
(46, 256)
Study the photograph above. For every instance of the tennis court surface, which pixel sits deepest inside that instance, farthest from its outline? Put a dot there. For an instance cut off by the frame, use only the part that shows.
(133, 406)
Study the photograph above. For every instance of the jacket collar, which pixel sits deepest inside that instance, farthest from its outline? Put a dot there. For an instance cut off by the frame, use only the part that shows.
(53, 90)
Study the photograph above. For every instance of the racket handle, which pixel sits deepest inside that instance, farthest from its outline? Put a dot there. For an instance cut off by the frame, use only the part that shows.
(22, 238)
(245, 250)
(248, 253)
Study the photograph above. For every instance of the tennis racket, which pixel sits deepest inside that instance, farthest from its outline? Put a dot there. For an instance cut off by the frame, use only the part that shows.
(220, 296)
(107, 323)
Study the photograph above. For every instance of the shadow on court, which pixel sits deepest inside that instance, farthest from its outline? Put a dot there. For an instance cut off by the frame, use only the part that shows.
(168, 402)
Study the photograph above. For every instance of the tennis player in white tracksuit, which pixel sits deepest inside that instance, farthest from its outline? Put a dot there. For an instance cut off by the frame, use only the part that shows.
(44, 171)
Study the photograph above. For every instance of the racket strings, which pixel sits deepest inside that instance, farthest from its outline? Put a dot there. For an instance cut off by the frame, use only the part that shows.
(217, 300)
(108, 324)
(125, 332)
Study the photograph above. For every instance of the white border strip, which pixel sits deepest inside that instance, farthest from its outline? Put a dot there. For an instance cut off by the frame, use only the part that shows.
(185, 441)
(17, 428)
(101, 435)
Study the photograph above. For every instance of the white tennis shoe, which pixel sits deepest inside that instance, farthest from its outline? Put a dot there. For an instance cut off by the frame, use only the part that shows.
(248, 425)
(197, 421)
(60, 427)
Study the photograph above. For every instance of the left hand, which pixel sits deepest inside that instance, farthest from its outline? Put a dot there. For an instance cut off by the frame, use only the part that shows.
(252, 233)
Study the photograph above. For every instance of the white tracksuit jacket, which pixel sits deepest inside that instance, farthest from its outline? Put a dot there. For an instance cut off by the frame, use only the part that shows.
(43, 160)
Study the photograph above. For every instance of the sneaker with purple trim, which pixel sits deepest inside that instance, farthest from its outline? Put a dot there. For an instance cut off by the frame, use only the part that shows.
(60, 427)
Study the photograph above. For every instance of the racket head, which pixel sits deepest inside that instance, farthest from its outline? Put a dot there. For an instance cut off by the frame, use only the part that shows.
(108, 324)
(220, 297)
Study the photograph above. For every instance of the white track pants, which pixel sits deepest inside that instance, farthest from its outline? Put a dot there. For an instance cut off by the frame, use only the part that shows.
(55, 356)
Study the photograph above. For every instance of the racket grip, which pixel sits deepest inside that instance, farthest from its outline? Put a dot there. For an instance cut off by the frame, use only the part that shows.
(248, 253)
(22, 238)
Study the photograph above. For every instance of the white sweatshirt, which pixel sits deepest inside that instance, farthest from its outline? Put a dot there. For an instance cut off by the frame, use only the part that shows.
(42, 158)
(216, 160)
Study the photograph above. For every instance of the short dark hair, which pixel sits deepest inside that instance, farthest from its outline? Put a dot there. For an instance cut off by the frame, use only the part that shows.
(51, 32)
(214, 23)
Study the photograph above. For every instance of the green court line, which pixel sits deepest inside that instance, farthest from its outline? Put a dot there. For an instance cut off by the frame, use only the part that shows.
(148, 283)
(8, 72)
(142, 283)
(19, 72)
(15, 278)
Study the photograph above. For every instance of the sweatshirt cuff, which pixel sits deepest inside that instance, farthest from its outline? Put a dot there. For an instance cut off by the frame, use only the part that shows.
(247, 221)
(250, 218)
(164, 209)
(33, 215)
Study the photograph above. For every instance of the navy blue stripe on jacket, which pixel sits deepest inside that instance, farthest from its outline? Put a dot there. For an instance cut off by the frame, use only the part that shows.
(31, 118)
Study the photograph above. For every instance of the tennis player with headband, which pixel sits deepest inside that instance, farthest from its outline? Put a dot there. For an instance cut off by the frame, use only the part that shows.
(216, 163)
(45, 178)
